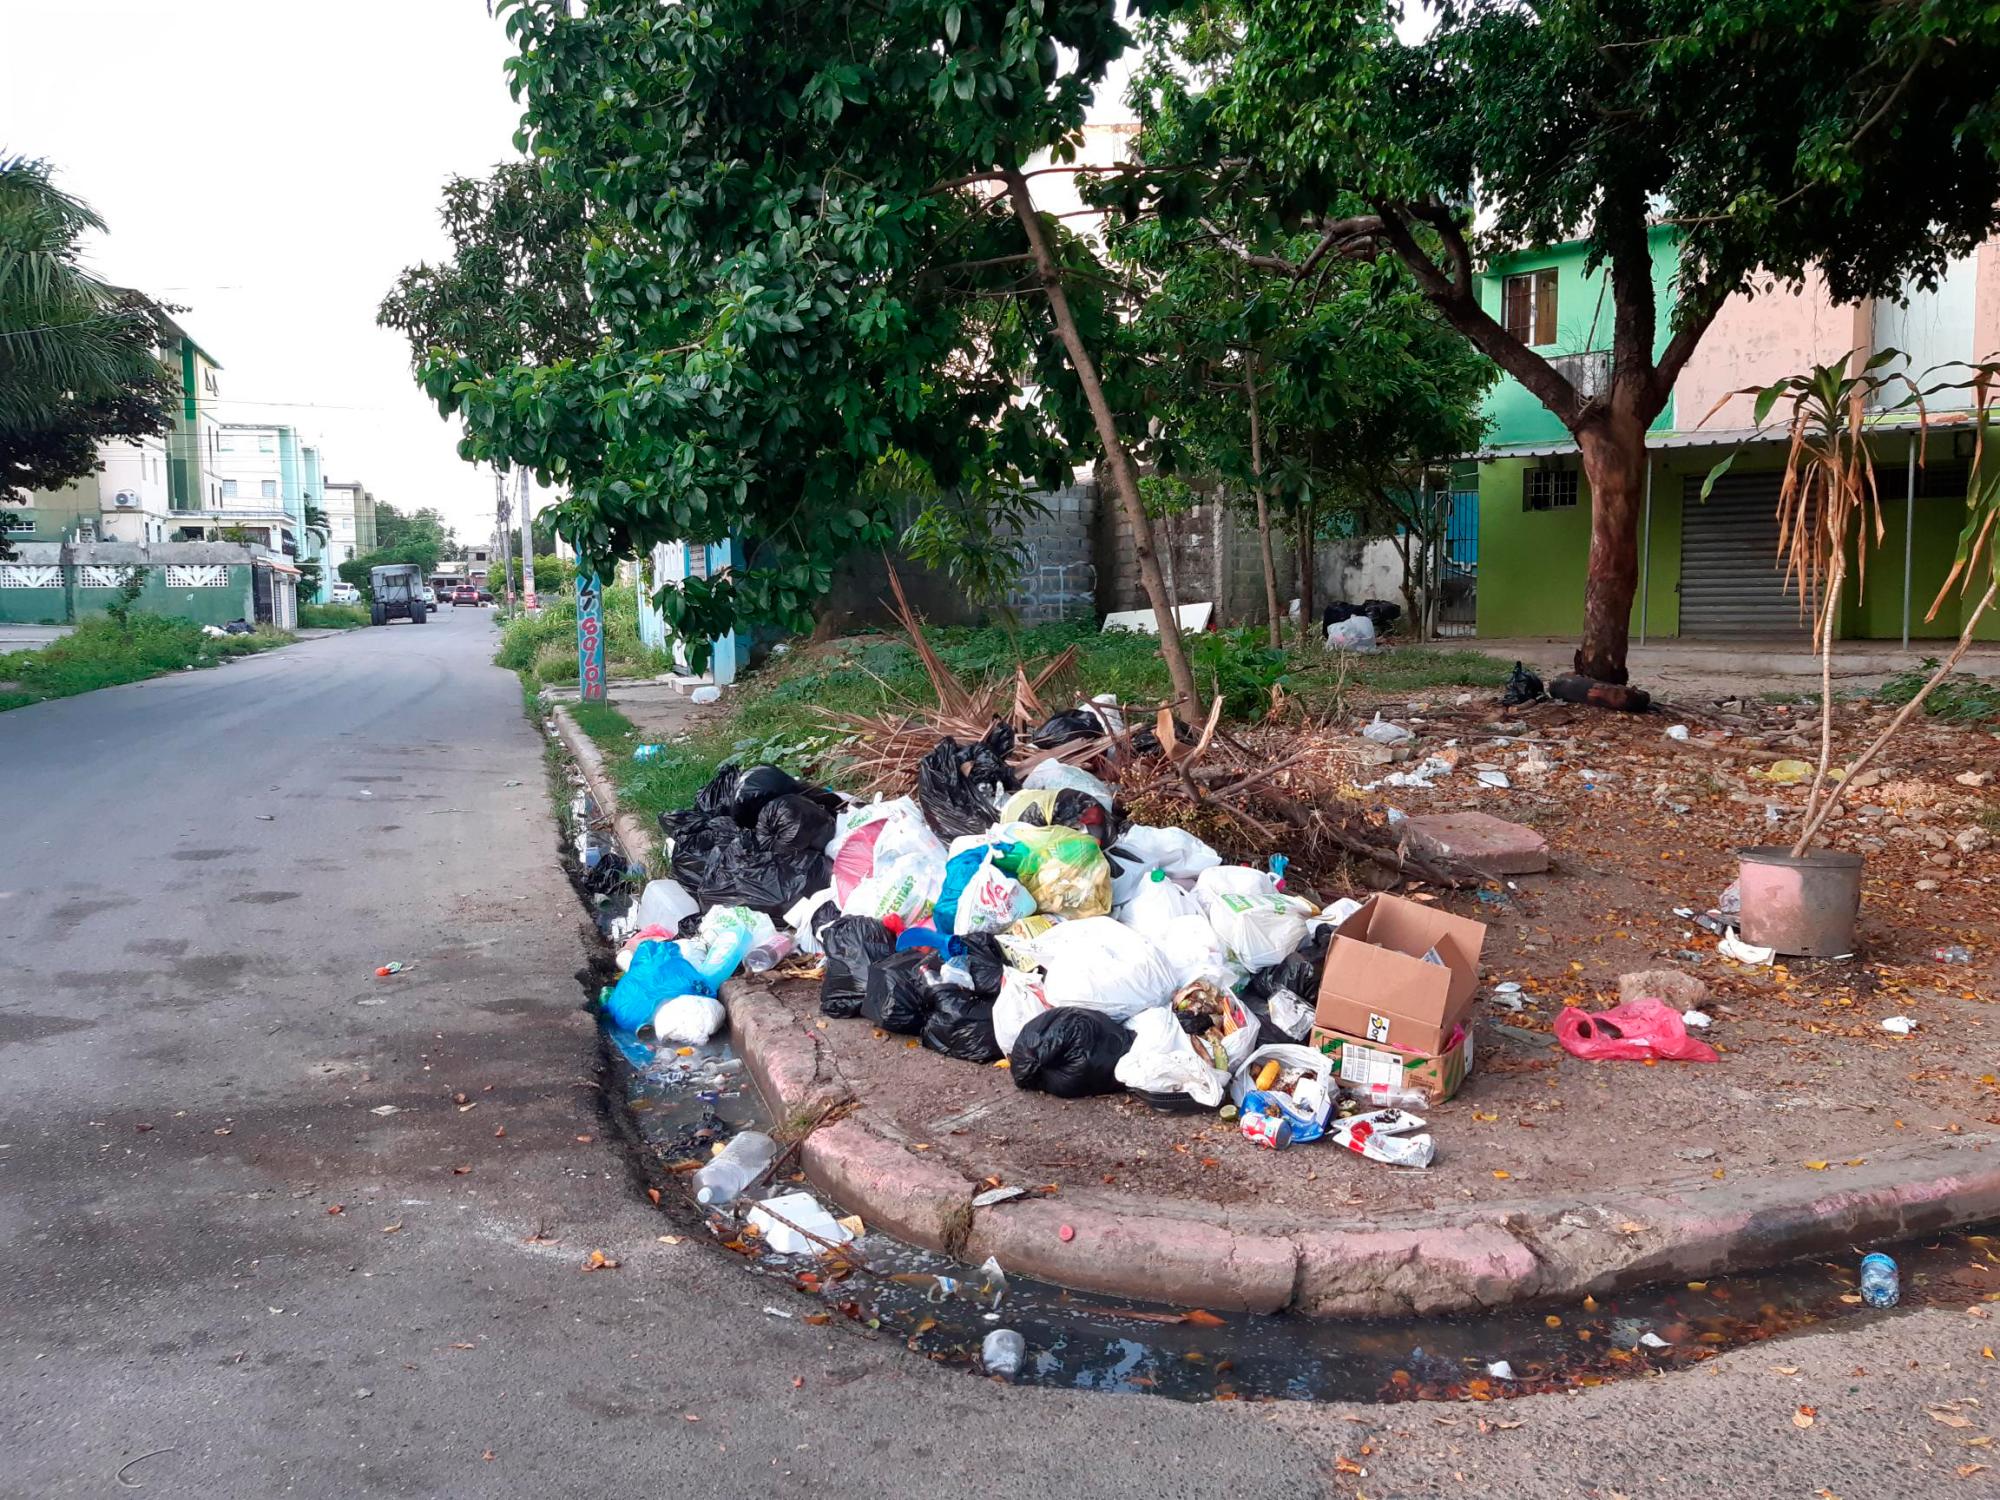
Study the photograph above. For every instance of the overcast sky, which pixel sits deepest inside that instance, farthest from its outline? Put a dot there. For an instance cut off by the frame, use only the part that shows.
(272, 165)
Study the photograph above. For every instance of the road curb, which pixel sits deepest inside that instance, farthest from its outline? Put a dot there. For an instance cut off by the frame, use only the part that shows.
(639, 842)
(1196, 1254)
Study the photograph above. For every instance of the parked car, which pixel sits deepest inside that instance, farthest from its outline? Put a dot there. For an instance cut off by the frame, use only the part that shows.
(465, 593)
(344, 593)
(431, 595)
(485, 597)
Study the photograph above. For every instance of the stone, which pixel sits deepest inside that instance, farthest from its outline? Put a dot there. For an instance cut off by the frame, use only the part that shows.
(1696, 1153)
(1677, 989)
(1534, 764)
(1928, 885)
(1942, 861)
(1935, 838)
(1371, 754)
(1973, 778)
(1971, 840)
(1868, 778)
(1490, 845)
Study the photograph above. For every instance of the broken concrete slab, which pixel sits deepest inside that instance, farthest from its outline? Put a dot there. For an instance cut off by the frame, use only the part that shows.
(1671, 985)
(1490, 845)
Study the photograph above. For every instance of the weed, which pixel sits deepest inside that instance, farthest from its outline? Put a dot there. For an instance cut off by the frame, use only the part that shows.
(1960, 699)
(331, 616)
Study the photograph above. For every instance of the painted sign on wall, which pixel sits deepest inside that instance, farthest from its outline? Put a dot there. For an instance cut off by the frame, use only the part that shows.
(590, 638)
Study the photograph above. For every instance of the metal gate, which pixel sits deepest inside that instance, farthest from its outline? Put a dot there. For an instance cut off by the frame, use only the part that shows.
(1458, 566)
(1732, 582)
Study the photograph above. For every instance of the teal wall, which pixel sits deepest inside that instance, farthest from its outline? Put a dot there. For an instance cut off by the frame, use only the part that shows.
(1583, 323)
(61, 606)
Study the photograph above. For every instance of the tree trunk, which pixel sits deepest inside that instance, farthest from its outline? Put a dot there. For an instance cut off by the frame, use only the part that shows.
(1308, 571)
(1614, 464)
(1263, 507)
(1124, 477)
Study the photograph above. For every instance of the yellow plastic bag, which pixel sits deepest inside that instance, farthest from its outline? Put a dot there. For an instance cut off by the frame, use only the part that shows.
(1064, 870)
(1787, 772)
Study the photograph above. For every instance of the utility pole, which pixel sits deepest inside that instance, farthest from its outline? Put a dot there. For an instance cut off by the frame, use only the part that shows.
(528, 600)
(501, 527)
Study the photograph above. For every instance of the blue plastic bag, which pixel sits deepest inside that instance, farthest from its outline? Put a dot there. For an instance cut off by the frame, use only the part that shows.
(958, 873)
(659, 972)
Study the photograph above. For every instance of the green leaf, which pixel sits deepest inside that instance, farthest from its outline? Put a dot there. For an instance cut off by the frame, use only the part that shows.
(1716, 473)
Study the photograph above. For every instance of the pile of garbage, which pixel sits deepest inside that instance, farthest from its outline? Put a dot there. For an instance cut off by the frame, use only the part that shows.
(1018, 919)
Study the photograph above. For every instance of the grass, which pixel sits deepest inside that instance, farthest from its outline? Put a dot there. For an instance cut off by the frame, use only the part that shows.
(776, 713)
(332, 616)
(101, 652)
(1960, 699)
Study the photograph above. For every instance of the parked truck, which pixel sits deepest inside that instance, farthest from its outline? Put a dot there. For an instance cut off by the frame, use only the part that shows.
(399, 593)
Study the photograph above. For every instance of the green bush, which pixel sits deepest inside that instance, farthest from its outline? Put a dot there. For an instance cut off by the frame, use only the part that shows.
(331, 616)
(555, 663)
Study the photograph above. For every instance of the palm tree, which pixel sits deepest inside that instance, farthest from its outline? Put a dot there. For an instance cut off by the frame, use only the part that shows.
(65, 335)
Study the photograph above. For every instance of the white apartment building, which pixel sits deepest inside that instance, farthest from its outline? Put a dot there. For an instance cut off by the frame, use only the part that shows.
(350, 519)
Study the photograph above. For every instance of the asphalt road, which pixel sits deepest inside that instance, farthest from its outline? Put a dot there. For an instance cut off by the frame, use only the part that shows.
(252, 1245)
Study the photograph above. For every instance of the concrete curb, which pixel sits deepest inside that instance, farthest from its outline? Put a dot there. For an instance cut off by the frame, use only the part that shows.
(1194, 1254)
(633, 834)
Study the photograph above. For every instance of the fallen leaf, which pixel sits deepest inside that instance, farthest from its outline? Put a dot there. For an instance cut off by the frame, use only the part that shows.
(392, 1228)
(461, 1171)
(798, 1382)
(1966, 1471)
(653, 1196)
(1784, 1369)
(585, 1140)
(1503, 1176)
(1816, 1166)
(1202, 1318)
(487, 1455)
(500, 1133)
(1945, 1416)
(1345, 1465)
(926, 1326)
(599, 1261)
(1804, 1416)
(670, 1239)
(819, 1320)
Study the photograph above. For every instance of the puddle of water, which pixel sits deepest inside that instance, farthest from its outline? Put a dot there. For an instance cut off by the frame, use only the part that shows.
(684, 1105)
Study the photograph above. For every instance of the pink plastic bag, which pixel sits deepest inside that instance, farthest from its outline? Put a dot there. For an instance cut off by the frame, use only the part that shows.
(1634, 1031)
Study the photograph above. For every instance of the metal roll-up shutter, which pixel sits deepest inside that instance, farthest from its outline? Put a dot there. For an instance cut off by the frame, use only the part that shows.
(1732, 582)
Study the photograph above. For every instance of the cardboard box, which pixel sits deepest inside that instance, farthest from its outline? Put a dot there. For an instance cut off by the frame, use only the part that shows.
(1371, 1072)
(1401, 974)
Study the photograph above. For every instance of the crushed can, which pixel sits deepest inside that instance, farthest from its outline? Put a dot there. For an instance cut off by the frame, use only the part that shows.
(1272, 1132)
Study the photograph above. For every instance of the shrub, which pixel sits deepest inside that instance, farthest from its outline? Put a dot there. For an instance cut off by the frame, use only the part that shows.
(331, 616)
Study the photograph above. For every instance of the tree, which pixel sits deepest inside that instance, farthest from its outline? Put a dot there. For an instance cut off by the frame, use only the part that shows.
(425, 528)
(79, 360)
(798, 268)
(1769, 136)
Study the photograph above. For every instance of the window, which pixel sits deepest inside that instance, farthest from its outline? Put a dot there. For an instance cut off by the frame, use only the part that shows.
(268, 489)
(1528, 306)
(1549, 489)
(266, 445)
(229, 489)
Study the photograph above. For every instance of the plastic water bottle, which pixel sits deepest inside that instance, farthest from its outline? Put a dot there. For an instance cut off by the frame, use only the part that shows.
(1881, 1285)
(1002, 1352)
(769, 953)
(734, 1168)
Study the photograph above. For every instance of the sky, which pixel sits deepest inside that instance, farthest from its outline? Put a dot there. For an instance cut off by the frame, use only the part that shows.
(271, 166)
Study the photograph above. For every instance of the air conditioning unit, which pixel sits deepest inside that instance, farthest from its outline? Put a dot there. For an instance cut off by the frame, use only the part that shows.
(125, 499)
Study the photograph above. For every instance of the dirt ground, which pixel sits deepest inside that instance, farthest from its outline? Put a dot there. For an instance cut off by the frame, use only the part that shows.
(1638, 824)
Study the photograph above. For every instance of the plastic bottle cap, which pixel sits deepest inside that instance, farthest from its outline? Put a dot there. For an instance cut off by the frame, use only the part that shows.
(1157, 875)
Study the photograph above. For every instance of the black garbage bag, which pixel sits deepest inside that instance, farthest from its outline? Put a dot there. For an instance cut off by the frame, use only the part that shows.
(1333, 614)
(853, 946)
(1069, 1052)
(984, 958)
(1146, 741)
(823, 916)
(689, 925)
(1300, 973)
(756, 787)
(957, 785)
(1070, 724)
(961, 1025)
(607, 875)
(902, 990)
(719, 796)
(1523, 686)
(793, 831)
(1381, 614)
(738, 873)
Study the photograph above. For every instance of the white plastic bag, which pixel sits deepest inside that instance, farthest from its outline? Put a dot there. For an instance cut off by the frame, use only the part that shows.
(662, 904)
(1257, 930)
(1054, 776)
(1382, 732)
(991, 900)
(906, 889)
(1141, 850)
(688, 1020)
(1103, 965)
(870, 839)
(1355, 633)
(1193, 951)
(1163, 1059)
(799, 919)
(1020, 1001)
(1156, 903)
(1310, 1103)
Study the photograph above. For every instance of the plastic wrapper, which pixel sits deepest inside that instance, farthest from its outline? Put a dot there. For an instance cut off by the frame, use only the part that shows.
(1069, 1053)
(1164, 1059)
(852, 946)
(902, 990)
(1063, 869)
(1386, 1135)
(1633, 1031)
(961, 1025)
(1097, 964)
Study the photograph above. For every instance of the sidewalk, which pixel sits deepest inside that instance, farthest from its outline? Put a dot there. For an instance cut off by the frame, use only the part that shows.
(1674, 665)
